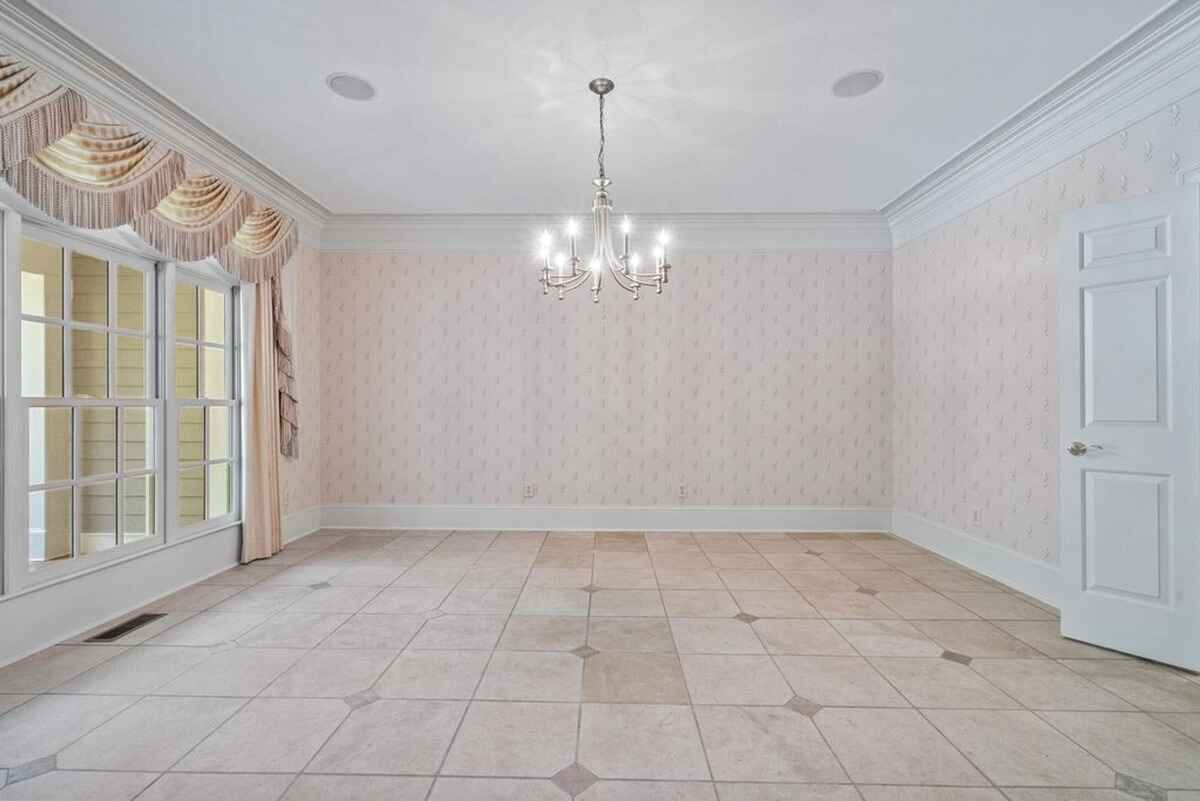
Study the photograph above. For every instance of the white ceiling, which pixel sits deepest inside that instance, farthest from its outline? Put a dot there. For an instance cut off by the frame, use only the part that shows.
(720, 106)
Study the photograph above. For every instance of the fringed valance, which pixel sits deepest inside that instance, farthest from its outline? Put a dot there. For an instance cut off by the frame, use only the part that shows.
(200, 217)
(261, 247)
(35, 110)
(100, 175)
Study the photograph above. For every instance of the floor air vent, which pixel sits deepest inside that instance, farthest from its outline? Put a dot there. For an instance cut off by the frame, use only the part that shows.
(121, 629)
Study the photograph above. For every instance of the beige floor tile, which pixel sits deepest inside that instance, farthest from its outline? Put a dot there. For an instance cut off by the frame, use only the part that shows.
(627, 603)
(514, 739)
(544, 633)
(838, 681)
(209, 628)
(433, 674)
(560, 577)
(753, 579)
(853, 561)
(304, 575)
(998, 606)
(772, 744)
(942, 684)
(1064, 794)
(265, 598)
(739, 561)
(714, 636)
(634, 678)
(422, 576)
(331, 673)
(292, 630)
(358, 788)
(880, 746)
(138, 671)
(481, 600)
(375, 631)
(368, 575)
(335, 599)
(1045, 684)
(406, 600)
(636, 741)
(849, 605)
(688, 579)
(49, 668)
(814, 637)
(391, 737)
(268, 734)
(1017, 748)
(218, 787)
(886, 638)
(236, 672)
(151, 735)
(725, 679)
(951, 580)
(621, 560)
(639, 634)
(1135, 744)
(1153, 688)
(774, 603)
(787, 792)
(459, 632)
(975, 638)
(621, 578)
(893, 793)
(1186, 722)
(496, 577)
(691, 560)
(819, 581)
(1045, 637)
(924, 606)
(699, 603)
(648, 791)
(63, 785)
(789, 561)
(453, 788)
(885, 580)
(532, 676)
(552, 601)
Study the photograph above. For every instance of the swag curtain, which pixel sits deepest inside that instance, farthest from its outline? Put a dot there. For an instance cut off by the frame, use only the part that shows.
(89, 170)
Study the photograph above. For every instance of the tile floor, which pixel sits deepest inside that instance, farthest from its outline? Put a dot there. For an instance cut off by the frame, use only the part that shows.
(476, 666)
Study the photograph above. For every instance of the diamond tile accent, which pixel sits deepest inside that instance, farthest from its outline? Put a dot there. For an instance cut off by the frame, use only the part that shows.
(590, 588)
(574, 779)
(1140, 789)
(324, 585)
(744, 617)
(34, 768)
(954, 656)
(361, 699)
(813, 553)
(803, 706)
(868, 591)
(585, 652)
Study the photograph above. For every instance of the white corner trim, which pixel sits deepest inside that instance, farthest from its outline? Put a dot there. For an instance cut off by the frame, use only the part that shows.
(850, 230)
(1155, 65)
(1040, 580)
(608, 518)
(35, 36)
(302, 523)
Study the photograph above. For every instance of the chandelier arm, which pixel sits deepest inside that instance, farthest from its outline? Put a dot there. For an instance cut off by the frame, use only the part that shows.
(569, 283)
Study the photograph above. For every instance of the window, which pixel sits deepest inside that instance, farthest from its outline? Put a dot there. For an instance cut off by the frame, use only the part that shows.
(206, 411)
(90, 399)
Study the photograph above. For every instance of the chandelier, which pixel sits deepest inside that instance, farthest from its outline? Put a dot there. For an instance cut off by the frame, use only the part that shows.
(567, 271)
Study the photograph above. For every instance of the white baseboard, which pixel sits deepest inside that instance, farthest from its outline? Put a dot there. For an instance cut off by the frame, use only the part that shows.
(608, 518)
(1040, 580)
(298, 524)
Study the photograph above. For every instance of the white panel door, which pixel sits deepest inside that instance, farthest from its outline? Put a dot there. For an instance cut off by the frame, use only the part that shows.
(1129, 410)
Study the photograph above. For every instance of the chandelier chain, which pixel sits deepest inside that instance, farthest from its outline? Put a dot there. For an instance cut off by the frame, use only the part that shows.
(600, 155)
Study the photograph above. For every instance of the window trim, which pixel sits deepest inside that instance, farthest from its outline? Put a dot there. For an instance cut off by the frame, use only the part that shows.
(15, 578)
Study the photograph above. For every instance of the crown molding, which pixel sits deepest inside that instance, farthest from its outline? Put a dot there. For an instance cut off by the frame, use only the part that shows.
(850, 230)
(1145, 71)
(34, 36)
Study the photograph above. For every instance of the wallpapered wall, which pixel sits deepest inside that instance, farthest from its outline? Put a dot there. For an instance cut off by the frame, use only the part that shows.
(754, 379)
(300, 479)
(976, 415)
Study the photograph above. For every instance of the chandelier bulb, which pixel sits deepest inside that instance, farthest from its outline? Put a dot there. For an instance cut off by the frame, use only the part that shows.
(626, 226)
(572, 228)
(659, 252)
(635, 260)
(663, 237)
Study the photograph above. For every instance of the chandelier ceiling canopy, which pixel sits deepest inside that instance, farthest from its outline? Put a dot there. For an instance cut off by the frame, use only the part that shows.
(567, 271)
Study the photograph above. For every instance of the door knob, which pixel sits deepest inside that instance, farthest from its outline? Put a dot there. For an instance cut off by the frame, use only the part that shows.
(1078, 448)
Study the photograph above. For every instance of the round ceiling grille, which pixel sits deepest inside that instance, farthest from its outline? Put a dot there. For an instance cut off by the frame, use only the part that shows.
(857, 83)
(349, 86)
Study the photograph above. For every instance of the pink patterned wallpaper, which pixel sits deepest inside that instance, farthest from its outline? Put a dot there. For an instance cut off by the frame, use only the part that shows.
(976, 416)
(300, 479)
(754, 379)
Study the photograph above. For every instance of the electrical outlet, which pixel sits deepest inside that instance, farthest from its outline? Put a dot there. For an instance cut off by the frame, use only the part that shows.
(683, 492)
(530, 490)
(977, 517)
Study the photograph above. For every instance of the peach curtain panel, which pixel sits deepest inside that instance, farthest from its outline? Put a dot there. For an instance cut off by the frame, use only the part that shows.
(89, 170)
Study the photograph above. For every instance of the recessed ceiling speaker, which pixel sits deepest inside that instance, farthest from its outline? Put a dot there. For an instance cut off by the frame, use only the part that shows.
(349, 86)
(857, 83)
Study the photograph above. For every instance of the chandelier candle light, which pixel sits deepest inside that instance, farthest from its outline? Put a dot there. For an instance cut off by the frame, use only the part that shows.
(563, 272)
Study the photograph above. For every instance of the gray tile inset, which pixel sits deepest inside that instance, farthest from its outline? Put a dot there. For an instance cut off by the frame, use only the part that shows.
(574, 779)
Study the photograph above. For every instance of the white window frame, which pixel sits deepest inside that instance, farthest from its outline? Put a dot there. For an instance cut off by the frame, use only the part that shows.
(204, 277)
(14, 470)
